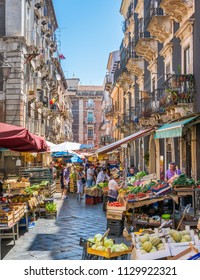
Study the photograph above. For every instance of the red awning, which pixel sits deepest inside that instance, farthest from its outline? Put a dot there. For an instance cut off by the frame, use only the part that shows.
(19, 139)
(133, 137)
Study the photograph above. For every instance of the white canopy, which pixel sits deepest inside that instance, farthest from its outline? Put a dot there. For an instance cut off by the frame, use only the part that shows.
(50, 144)
(65, 146)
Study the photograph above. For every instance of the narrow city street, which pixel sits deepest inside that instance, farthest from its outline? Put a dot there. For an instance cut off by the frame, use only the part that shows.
(59, 239)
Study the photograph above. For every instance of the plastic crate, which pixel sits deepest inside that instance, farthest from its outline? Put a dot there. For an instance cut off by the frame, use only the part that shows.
(116, 226)
(90, 201)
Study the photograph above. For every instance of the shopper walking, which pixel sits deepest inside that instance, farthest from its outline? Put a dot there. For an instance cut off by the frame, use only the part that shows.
(80, 183)
(90, 176)
(64, 180)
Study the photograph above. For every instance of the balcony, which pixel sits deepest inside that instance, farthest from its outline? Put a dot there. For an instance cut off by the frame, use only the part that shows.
(177, 93)
(109, 110)
(146, 45)
(108, 82)
(177, 9)
(179, 89)
(160, 25)
(121, 67)
(145, 107)
(126, 79)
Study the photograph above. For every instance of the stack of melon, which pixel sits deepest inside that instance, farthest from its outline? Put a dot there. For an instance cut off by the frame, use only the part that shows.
(150, 243)
(180, 236)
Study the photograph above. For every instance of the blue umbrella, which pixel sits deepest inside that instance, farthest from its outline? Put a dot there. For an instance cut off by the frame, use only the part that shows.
(86, 146)
(62, 154)
(74, 159)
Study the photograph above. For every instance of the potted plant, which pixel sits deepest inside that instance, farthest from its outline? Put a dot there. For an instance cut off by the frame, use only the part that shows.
(51, 210)
(172, 95)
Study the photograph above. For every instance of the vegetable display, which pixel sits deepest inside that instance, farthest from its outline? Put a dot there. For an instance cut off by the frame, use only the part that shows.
(107, 244)
(115, 204)
(183, 181)
(51, 207)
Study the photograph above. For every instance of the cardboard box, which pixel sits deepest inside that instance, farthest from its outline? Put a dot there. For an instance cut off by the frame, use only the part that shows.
(115, 215)
(178, 247)
(186, 254)
(137, 255)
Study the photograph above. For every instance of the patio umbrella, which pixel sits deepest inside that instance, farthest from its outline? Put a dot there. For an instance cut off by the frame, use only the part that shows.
(19, 139)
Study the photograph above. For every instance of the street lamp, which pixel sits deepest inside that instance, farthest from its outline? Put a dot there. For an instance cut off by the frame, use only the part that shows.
(6, 69)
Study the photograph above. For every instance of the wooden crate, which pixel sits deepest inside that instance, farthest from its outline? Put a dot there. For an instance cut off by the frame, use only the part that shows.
(108, 254)
(113, 208)
(6, 218)
(115, 215)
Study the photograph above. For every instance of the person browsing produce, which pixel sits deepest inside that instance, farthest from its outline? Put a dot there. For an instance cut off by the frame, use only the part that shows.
(102, 176)
(113, 188)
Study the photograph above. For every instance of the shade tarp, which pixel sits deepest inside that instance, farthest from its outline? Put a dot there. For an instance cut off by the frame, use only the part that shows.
(66, 146)
(62, 154)
(132, 137)
(19, 139)
(174, 129)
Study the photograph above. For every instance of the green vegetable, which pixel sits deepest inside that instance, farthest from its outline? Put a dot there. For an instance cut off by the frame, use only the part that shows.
(51, 207)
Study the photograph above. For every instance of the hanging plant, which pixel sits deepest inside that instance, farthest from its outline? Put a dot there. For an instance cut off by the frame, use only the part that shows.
(146, 158)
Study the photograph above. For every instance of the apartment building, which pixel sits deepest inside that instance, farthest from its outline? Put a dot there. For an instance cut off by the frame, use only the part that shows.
(86, 110)
(34, 94)
(157, 80)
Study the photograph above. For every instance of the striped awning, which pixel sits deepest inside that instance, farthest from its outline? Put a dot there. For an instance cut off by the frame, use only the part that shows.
(133, 137)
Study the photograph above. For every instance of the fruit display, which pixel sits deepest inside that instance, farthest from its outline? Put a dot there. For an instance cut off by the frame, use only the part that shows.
(180, 236)
(150, 243)
(106, 244)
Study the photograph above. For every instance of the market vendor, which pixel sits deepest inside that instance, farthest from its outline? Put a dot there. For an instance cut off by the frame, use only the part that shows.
(131, 172)
(113, 187)
(102, 176)
(172, 171)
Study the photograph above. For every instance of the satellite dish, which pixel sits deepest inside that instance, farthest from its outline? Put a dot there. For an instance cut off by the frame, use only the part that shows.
(58, 77)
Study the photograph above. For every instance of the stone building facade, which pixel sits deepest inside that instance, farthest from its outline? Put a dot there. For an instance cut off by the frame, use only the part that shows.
(34, 96)
(86, 110)
(157, 81)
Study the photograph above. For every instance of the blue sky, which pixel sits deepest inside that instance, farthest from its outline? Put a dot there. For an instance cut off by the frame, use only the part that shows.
(89, 31)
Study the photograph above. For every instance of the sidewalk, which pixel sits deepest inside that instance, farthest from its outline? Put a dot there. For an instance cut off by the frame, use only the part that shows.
(59, 239)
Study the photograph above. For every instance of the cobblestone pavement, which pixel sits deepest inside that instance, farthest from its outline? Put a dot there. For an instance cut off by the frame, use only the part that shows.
(59, 239)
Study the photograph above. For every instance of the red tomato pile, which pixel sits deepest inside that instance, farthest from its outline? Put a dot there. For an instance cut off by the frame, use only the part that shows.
(115, 204)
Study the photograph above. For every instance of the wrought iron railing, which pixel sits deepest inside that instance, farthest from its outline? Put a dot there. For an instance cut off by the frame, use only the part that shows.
(177, 89)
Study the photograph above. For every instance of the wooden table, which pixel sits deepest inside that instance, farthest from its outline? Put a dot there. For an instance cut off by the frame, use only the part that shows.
(194, 193)
(140, 203)
(13, 227)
